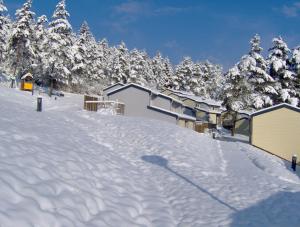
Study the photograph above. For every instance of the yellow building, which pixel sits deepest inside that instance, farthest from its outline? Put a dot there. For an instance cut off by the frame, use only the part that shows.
(27, 82)
(276, 130)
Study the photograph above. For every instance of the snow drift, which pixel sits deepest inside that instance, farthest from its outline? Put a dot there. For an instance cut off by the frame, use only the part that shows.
(68, 167)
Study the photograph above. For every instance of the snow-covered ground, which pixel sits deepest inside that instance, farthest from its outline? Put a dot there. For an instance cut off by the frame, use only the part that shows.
(68, 167)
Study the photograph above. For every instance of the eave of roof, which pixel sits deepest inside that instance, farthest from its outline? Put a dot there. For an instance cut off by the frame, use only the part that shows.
(27, 75)
(208, 111)
(182, 116)
(168, 97)
(143, 88)
(276, 107)
(197, 100)
(127, 86)
(113, 85)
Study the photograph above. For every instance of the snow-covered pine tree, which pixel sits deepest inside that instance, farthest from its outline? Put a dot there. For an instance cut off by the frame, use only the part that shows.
(295, 65)
(120, 64)
(5, 25)
(137, 68)
(83, 50)
(262, 84)
(212, 80)
(183, 75)
(162, 71)
(61, 54)
(21, 51)
(197, 82)
(157, 70)
(97, 63)
(237, 90)
(104, 56)
(42, 47)
(295, 60)
(147, 70)
(281, 73)
(168, 73)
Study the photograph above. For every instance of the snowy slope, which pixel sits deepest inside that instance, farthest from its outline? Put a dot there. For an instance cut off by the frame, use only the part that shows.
(69, 167)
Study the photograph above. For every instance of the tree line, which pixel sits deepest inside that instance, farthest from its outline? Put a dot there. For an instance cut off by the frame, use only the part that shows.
(75, 61)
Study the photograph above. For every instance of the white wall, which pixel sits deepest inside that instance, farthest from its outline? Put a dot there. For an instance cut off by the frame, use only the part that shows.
(137, 102)
(177, 107)
(161, 102)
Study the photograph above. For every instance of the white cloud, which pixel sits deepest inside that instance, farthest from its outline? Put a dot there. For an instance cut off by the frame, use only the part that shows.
(128, 12)
(131, 8)
(171, 10)
(171, 44)
(292, 10)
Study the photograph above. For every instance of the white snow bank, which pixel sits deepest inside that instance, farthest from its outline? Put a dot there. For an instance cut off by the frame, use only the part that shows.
(69, 167)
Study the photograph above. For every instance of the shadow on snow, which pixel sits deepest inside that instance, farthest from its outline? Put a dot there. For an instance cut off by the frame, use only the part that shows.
(163, 163)
(280, 209)
(232, 139)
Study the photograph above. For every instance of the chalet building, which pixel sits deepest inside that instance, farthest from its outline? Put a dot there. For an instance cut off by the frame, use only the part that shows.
(276, 130)
(207, 112)
(143, 102)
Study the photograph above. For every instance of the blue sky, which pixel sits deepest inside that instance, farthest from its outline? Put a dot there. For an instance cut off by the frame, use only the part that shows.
(218, 30)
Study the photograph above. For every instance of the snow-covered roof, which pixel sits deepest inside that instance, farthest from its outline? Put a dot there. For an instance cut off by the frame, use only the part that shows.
(184, 116)
(143, 88)
(178, 92)
(189, 95)
(26, 76)
(203, 100)
(168, 97)
(113, 85)
(279, 106)
(127, 86)
(209, 110)
(246, 112)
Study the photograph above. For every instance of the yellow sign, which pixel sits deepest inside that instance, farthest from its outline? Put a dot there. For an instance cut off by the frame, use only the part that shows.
(28, 86)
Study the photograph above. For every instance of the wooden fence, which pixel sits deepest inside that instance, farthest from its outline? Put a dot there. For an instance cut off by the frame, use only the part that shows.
(94, 104)
(90, 106)
(201, 127)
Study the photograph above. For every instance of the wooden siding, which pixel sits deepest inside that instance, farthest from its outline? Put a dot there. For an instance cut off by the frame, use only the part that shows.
(277, 131)
(190, 125)
(186, 123)
(213, 118)
(181, 123)
(189, 103)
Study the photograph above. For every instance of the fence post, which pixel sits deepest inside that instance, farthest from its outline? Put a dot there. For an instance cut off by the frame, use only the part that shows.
(294, 162)
(214, 135)
(39, 104)
(84, 104)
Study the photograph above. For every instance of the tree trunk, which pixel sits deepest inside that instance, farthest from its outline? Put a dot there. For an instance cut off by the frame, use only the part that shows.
(233, 123)
(51, 88)
(13, 81)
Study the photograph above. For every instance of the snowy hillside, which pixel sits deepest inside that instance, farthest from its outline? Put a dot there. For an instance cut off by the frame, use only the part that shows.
(69, 167)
